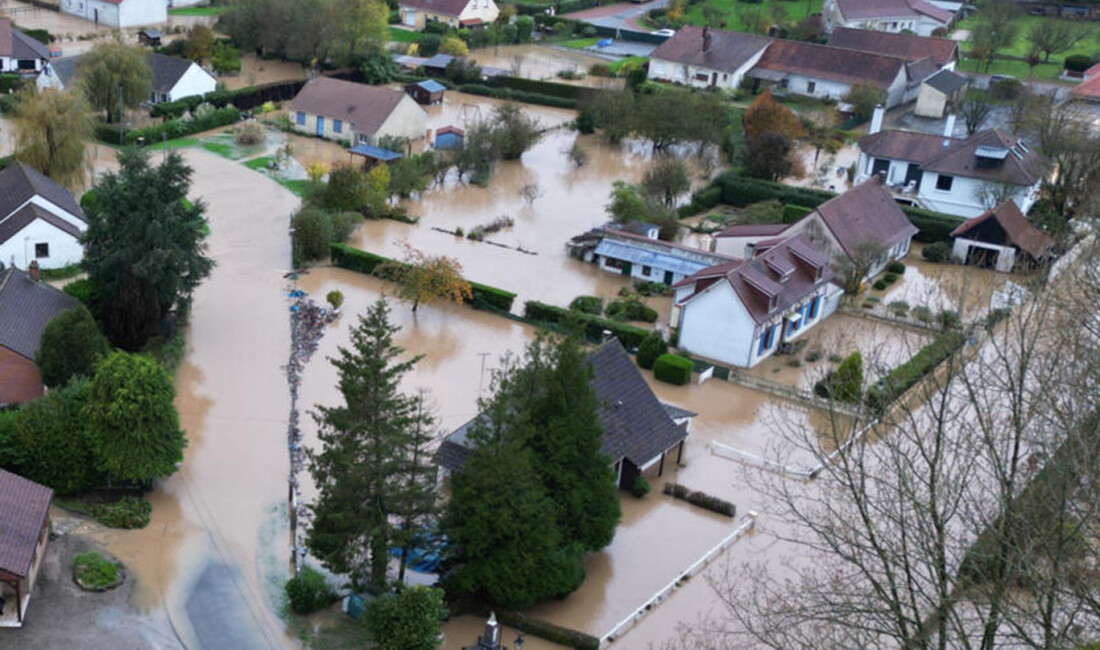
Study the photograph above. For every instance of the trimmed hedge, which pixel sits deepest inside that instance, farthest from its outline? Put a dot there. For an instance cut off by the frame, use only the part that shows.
(673, 369)
(461, 605)
(701, 499)
(360, 261)
(179, 128)
(652, 347)
(630, 336)
(518, 96)
(548, 88)
(902, 378)
(933, 226)
(792, 213)
(701, 200)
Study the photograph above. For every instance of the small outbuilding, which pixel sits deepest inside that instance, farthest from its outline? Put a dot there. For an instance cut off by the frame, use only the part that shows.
(372, 155)
(150, 37)
(1001, 239)
(938, 93)
(449, 137)
(426, 92)
(24, 531)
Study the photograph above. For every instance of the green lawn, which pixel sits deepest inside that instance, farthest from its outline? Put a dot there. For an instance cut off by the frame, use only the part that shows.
(1018, 69)
(300, 187)
(259, 163)
(223, 149)
(741, 15)
(197, 11)
(616, 66)
(179, 143)
(1088, 46)
(579, 43)
(403, 35)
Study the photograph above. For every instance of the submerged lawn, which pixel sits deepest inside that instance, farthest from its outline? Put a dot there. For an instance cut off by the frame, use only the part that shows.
(198, 11)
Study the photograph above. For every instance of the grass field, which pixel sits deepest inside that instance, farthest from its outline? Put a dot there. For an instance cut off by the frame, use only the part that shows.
(1089, 46)
(740, 15)
(179, 143)
(223, 149)
(579, 43)
(197, 11)
(259, 163)
(616, 66)
(298, 187)
(402, 35)
(1045, 71)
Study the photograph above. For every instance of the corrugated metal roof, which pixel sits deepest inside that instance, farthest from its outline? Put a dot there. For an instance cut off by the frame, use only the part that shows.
(377, 153)
(637, 255)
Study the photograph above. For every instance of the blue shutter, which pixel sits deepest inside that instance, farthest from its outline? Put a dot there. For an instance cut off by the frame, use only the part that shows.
(301, 118)
(337, 126)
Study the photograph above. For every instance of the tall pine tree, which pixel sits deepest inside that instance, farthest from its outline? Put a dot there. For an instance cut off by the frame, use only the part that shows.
(372, 451)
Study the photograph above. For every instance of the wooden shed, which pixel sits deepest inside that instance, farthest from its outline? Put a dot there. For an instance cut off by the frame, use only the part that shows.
(426, 92)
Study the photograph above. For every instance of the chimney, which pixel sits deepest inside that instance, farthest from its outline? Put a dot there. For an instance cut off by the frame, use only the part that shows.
(607, 336)
(491, 638)
(706, 39)
(876, 120)
(949, 127)
(32, 270)
(881, 176)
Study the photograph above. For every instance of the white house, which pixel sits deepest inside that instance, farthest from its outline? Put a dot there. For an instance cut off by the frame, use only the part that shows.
(173, 77)
(355, 113)
(118, 13)
(917, 16)
(864, 225)
(939, 93)
(456, 13)
(706, 58)
(19, 53)
(959, 176)
(633, 249)
(1002, 239)
(740, 312)
(39, 220)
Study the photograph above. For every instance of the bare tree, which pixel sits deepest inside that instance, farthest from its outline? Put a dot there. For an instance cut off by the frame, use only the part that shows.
(1067, 139)
(530, 193)
(996, 29)
(853, 269)
(1055, 36)
(974, 110)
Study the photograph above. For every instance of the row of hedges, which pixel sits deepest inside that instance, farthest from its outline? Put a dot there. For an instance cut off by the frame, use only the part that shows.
(518, 96)
(179, 128)
(630, 336)
(701, 499)
(548, 88)
(353, 259)
(244, 98)
(933, 226)
(673, 369)
(902, 378)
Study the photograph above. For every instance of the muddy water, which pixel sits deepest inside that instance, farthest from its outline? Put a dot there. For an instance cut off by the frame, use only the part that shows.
(214, 548)
(462, 632)
(965, 289)
(256, 71)
(534, 61)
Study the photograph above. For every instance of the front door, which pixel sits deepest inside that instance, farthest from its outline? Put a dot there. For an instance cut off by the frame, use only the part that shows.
(913, 175)
(320, 126)
(627, 267)
(410, 18)
(668, 278)
(880, 166)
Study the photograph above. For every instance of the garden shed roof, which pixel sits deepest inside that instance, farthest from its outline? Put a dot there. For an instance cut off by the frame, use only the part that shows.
(24, 506)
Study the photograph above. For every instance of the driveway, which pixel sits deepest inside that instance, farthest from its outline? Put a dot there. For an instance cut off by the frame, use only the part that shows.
(618, 16)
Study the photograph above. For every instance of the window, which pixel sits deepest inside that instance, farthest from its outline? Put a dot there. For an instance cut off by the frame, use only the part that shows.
(815, 307)
(337, 126)
(612, 263)
(783, 83)
(944, 182)
(646, 270)
(767, 338)
(41, 251)
(810, 86)
(301, 118)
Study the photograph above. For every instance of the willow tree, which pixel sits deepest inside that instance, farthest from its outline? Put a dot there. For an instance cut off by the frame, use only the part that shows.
(115, 75)
(51, 131)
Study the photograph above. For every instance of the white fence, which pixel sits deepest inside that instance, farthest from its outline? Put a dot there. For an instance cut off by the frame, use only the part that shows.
(748, 522)
(805, 473)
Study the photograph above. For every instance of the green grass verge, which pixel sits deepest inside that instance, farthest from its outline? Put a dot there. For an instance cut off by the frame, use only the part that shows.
(616, 66)
(402, 35)
(579, 43)
(197, 11)
(299, 187)
(94, 571)
(739, 15)
(62, 273)
(1021, 47)
(223, 149)
(1018, 69)
(259, 163)
(179, 143)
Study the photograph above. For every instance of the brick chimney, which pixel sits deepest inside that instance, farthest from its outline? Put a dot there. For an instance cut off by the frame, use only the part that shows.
(706, 39)
(32, 270)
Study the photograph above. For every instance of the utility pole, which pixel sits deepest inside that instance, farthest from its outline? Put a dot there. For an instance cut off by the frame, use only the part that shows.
(121, 118)
(481, 378)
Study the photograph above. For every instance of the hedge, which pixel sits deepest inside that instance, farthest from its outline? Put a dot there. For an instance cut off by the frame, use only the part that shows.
(701, 201)
(933, 226)
(630, 336)
(548, 88)
(353, 259)
(518, 96)
(701, 499)
(563, 636)
(8, 82)
(173, 129)
(792, 213)
(900, 379)
(108, 132)
(673, 369)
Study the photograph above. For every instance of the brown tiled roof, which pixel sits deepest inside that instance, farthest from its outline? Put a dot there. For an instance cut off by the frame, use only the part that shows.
(848, 66)
(908, 46)
(25, 308)
(636, 426)
(921, 69)
(5, 37)
(904, 145)
(24, 505)
(447, 7)
(754, 230)
(1089, 88)
(871, 9)
(19, 182)
(1017, 228)
(728, 50)
(363, 107)
(961, 160)
(865, 214)
(757, 281)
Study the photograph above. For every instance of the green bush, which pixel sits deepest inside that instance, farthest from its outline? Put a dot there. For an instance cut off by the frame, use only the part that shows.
(701, 499)
(181, 127)
(923, 314)
(1078, 62)
(88, 292)
(898, 308)
(792, 213)
(109, 133)
(1006, 89)
(890, 278)
(847, 383)
(641, 487)
(631, 309)
(587, 305)
(128, 512)
(900, 379)
(518, 96)
(94, 571)
(630, 336)
(585, 122)
(652, 347)
(896, 267)
(9, 82)
(529, 625)
(936, 252)
(673, 369)
(546, 88)
(879, 285)
(701, 201)
(308, 592)
(949, 319)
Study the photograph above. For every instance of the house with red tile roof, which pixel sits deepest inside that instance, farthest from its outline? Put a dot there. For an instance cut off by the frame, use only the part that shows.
(739, 313)
(916, 16)
(1089, 89)
(944, 51)
(456, 13)
(355, 113)
(118, 13)
(1001, 239)
(24, 531)
(705, 57)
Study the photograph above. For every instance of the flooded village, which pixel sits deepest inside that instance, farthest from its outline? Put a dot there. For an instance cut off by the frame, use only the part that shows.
(806, 312)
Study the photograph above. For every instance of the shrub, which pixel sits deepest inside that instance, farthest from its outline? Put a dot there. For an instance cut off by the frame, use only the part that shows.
(587, 305)
(630, 336)
(936, 252)
(1006, 89)
(178, 128)
(249, 133)
(70, 344)
(427, 45)
(948, 319)
(93, 571)
(585, 122)
(673, 369)
(900, 379)
(641, 487)
(923, 314)
(128, 512)
(335, 298)
(890, 278)
(86, 291)
(312, 234)
(880, 285)
(652, 347)
(847, 381)
(651, 288)
(896, 268)
(1078, 62)
(308, 592)
(631, 309)
(898, 307)
(701, 499)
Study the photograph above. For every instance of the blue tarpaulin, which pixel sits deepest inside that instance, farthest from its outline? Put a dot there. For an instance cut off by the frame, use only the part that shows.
(377, 153)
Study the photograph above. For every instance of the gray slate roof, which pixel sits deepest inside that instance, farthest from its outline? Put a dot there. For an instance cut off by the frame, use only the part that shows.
(26, 307)
(19, 182)
(946, 81)
(167, 70)
(25, 47)
(12, 225)
(636, 425)
(24, 505)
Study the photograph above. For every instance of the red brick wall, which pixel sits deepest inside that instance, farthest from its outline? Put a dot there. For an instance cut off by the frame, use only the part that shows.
(19, 378)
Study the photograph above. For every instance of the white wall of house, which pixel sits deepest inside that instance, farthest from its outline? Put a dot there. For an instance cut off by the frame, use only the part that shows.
(700, 77)
(829, 89)
(920, 25)
(55, 209)
(930, 102)
(306, 124)
(10, 64)
(64, 249)
(1006, 255)
(129, 13)
(408, 120)
(48, 79)
(639, 271)
(195, 81)
(735, 246)
(486, 10)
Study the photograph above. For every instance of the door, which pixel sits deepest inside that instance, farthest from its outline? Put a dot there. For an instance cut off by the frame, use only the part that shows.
(627, 267)
(410, 18)
(668, 278)
(880, 166)
(985, 258)
(913, 175)
(97, 15)
(320, 126)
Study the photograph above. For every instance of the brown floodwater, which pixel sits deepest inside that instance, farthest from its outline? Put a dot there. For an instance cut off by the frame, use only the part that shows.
(256, 71)
(535, 61)
(965, 289)
(462, 632)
